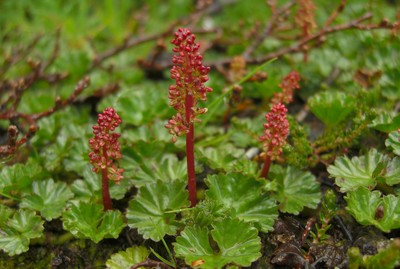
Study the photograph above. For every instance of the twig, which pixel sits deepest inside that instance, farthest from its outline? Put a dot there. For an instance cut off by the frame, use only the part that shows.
(151, 263)
(268, 29)
(297, 47)
(335, 13)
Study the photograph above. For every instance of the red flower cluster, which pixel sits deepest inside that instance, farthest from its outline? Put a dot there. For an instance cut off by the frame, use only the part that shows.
(105, 145)
(190, 75)
(276, 131)
(288, 85)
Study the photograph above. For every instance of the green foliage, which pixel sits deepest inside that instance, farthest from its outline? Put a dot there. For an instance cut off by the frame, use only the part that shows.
(332, 108)
(295, 189)
(90, 221)
(17, 229)
(386, 258)
(47, 197)
(148, 211)
(244, 198)
(147, 162)
(19, 177)
(386, 122)
(366, 170)
(88, 189)
(242, 249)
(369, 208)
(130, 256)
(393, 142)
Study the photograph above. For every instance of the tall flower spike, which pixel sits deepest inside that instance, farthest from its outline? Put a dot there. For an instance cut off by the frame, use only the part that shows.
(276, 131)
(190, 75)
(288, 85)
(106, 151)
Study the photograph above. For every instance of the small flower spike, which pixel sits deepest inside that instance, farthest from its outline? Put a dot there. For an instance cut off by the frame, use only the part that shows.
(106, 151)
(288, 85)
(105, 145)
(275, 134)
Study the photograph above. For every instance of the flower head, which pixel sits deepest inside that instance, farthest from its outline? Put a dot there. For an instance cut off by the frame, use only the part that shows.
(276, 131)
(105, 145)
(288, 85)
(190, 75)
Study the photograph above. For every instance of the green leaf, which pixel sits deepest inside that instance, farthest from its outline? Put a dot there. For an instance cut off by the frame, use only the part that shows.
(20, 176)
(125, 259)
(86, 220)
(222, 157)
(369, 208)
(5, 213)
(331, 107)
(148, 211)
(244, 197)
(237, 243)
(365, 170)
(147, 162)
(89, 189)
(295, 189)
(393, 142)
(47, 197)
(18, 230)
(386, 122)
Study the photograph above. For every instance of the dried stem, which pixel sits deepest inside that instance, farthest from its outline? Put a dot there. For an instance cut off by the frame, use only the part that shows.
(150, 263)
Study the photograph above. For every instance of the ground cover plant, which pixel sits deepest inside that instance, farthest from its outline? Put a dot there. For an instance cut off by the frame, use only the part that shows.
(289, 111)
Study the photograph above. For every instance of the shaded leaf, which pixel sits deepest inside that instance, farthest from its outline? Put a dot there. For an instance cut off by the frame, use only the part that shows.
(369, 208)
(242, 249)
(130, 256)
(148, 211)
(47, 197)
(17, 231)
(243, 196)
(331, 107)
(393, 142)
(86, 220)
(365, 170)
(386, 122)
(295, 189)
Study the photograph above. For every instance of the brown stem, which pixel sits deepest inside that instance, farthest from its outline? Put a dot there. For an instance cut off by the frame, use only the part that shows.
(190, 151)
(267, 165)
(104, 185)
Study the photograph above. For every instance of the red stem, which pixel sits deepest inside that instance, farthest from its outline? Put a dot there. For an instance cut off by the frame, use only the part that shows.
(190, 151)
(104, 185)
(267, 164)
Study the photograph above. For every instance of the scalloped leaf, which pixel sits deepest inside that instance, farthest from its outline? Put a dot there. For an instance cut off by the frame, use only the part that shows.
(223, 157)
(237, 242)
(130, 256)
(17, 231)
(147, 162)
(89, 189)
(365, 171)
(393, 142)
(86, 220)
(369, 208)
(47, 197)
(20, 176)
(331, 107)
(148, 211)
(295, 189)
(386, 122)
(244, 197)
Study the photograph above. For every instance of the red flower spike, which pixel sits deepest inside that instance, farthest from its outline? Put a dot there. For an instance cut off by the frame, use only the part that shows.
(288, 85)
(190, 75)
(275, 134)
(106, 150)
